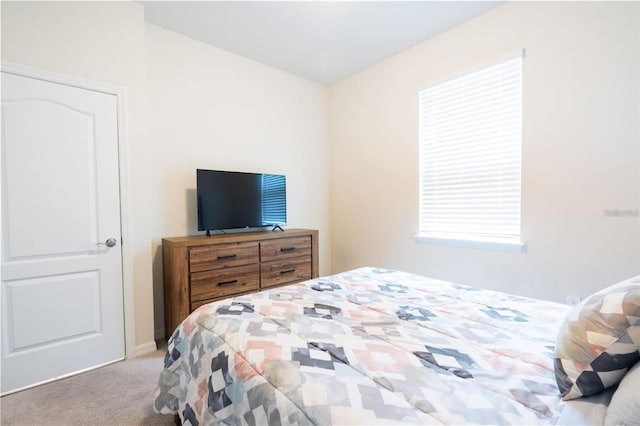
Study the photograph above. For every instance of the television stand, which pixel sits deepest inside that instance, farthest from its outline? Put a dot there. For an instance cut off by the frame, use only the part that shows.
(276, 227)
(220, 231)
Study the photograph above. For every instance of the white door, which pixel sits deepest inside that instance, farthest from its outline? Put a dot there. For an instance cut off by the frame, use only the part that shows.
(62, 297)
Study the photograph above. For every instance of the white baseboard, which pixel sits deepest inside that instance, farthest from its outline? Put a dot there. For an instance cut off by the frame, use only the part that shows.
(146, 348)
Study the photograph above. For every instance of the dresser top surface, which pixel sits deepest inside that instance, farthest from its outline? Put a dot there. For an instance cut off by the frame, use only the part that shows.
(233, 237)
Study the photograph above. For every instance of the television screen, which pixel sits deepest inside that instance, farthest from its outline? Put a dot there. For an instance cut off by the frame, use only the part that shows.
(228, 200)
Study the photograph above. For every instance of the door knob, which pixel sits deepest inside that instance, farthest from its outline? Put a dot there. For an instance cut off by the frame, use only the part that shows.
(110, 242)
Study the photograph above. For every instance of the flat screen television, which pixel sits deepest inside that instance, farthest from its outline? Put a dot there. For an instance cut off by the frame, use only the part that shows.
(231, 200)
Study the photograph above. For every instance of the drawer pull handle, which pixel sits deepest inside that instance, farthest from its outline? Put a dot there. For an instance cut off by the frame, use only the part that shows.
(227, 282)
(229, 256)
(287, 249)
(287, 271)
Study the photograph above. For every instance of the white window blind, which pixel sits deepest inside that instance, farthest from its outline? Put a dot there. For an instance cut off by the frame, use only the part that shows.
(470, 155)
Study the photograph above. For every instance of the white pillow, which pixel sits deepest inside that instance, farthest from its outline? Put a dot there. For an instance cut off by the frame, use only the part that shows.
(588, 410)
(624, 408)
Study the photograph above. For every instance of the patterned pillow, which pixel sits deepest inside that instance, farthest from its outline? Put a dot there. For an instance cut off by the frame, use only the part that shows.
(599, 340)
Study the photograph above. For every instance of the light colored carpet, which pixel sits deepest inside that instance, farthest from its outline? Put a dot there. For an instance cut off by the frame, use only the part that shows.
(118, 394)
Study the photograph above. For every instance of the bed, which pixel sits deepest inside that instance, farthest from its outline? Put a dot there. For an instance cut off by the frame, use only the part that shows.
(368, 346)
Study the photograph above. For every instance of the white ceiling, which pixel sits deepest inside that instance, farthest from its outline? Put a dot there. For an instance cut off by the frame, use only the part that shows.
(323, 41)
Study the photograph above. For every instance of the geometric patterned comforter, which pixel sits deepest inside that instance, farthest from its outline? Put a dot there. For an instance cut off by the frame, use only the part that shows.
(369, 346)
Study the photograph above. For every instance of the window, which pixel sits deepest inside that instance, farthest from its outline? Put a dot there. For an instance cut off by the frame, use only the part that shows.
(470, 155)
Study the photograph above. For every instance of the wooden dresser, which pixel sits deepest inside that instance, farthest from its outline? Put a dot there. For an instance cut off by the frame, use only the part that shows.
(200, 269)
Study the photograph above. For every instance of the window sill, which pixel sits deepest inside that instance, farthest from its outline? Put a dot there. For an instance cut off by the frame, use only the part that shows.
(499, 245)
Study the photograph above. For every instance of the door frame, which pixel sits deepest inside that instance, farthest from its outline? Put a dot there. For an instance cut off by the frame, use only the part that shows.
(124, 183)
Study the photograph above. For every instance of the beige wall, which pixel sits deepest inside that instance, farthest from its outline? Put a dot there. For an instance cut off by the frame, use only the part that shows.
(581, 129)
(214, 110)
(189, 105)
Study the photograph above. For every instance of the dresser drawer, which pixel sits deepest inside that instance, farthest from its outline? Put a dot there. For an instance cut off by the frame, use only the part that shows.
(285, 271)
(225, 282)
(285, 248)
(204, 258)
